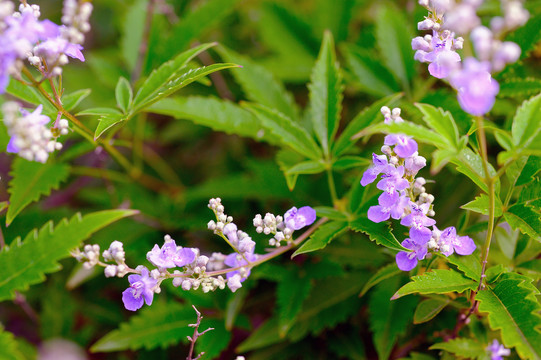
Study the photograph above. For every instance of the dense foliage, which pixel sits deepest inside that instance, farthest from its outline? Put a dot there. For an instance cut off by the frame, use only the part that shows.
(276, 111)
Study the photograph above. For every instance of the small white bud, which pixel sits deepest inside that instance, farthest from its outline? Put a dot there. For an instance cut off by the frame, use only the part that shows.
(110, 271)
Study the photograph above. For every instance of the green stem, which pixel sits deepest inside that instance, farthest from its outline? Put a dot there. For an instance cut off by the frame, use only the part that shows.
(332, 187)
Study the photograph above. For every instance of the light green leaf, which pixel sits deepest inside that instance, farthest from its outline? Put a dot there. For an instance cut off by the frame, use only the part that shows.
(519, 87)
(160, 325)
(462, 347)
(481, 203)
(525, 218)
(70, 101)
(366, 117)
(98, 111)
(526, 125)
(286, 158)
(389, 319)
(46, 247)
(260, 85)
(384, 273)
(9, 346)
(469, 265)
(132, 32)
(471, 165)
(370, 74)
(31, 180)
(106, 122)
(418, 132)
(442, 122)
(348, 162)
(286, 130)
(326, 94)
(329, 212)
(428, 309)
(29, 95)
(436, 282)
(306, 167)
(291, 292)
(393, 35)
(512, 307)
(321, 237)
(379, 232)
(530, 169)
(123, 94)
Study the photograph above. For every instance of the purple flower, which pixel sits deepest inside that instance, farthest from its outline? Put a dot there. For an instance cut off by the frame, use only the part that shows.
(170, 255)
(140, 290)
(498, 351)
(443, 59)
(405, 145)
(388, 208)
(235, 260)
(380, 165)
(449, 243)
(297, 219)
(476, 88)
(414, 163)
(390, 182)
(408, 260)
(418, 221)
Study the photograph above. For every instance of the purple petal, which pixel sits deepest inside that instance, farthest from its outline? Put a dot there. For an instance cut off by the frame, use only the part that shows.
(405, 147)
(404, 262)
(464, 245)
(11, 146)
(130, 302)
(185, 256)
(420, 236)
(74, 51)
(388, 199)
(148, 295)
(378, 214)
(369, 176)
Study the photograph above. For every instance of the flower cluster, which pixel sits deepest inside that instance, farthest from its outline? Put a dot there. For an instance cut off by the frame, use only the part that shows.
(30, 137)
(497, 351)
(44, 44)
(473, 81)
(197, 271)
(404, 198)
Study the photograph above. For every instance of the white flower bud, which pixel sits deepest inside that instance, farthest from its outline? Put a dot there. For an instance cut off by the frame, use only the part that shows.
(110, 271)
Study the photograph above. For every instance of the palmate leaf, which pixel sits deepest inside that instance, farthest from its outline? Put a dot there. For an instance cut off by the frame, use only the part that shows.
(379, 232)
(512, 307)
(31, 180)
(322, 237)
(436, 282)
(389, 319)
(25, 263)
(260, 85)
(326, 94)
(289, 133)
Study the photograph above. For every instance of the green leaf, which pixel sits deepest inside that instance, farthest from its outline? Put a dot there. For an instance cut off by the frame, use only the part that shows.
(481, 203)
(160, 325)
(31, 180)
(366, 117)
(379, 232)
(123, 94)
(326, 94)
(419, 133)
(291, 292)
(471, 165)
(347, 345)
(29, 94)
(525, 218)
(389, 271)
(436, 282)
(165, 74)
(530, 169)
(393, 35)
(526, 125)
(527, 36)
(512, 307)
(348, 162)
(70, 101)
(519, 87)
(265, 335)
(306, 167)
(469, 265)
(132, 32)
(98, 111)
(321, 237)
(234, 305)
(260, 85)
(106, 122)
(9, 346)
(289, 133)
(370, 74)
(329, 212)
(46, 247)
(389, 319)
(442, 122)
(462, 347)
(428, 309)
(287, 158)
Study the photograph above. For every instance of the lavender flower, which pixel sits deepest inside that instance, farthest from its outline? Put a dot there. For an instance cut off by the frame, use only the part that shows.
(405, 145)
(408, 260)
(440, 52)
(385, 210)
(297, 219)
(418, 222)
(497, 351)
(235, 278)
(170, 255)
(449, 242)
(390, 182)
(141, 290)
(379, 165)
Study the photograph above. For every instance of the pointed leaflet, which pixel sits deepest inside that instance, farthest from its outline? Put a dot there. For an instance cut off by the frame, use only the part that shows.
(384, 273)
(526, 125)
(291, 292)
(288, 132)
(321, 237)
(471, 165)
(436, 282)
(469, 265)
(306, 167)
(442, 122)
(123, 94)
(525, 218)
(31, 180)
(428, 309)
(418, 132)
(8, 346)
(512, 307)
(26, 263)
(480, 205)
(389, 319)
(462, 347)
(378, 232)
(326, 94)
(260, 85)
(106, 122)
(70, 101)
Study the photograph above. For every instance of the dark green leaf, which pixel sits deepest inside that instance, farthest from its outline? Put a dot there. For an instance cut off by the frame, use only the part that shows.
(530, 169)
(291, 292)
(525, 218)
(436, 282)
(379, 232)
(30, 181)
(321, 237)
(384, 273)
(481, 204)
(306, 167)
(428, 309)
(326, 94)
(519, 87)
(213, 342)
(462, 347)
(469, 265)
(123, 94)
(329, 212)
(46, 248)
(527, 36)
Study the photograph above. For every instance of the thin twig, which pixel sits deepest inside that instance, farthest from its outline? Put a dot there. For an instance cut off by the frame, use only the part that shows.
(196, 334)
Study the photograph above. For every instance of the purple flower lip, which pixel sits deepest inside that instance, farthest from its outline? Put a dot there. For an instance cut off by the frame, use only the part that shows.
(141, 290)
(296, 219)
